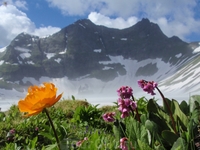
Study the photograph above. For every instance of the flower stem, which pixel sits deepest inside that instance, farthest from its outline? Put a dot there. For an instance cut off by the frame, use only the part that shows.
(55, 134)
(170, 112)
(137, 114)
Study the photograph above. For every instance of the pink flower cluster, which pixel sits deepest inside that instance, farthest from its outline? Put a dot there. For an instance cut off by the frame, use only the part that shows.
(148, 86)
(126, 106)
(109, 117)
(125, 92)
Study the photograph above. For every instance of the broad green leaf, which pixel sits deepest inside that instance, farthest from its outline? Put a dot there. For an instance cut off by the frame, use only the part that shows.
(167, 104)
(169, 136)
(192, 102)
(161, 123)
(178, 112)
(184, 107)
(151, 126)
(179, 144)
(143, 118)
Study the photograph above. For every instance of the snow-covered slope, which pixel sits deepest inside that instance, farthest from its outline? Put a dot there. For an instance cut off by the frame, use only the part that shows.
(186, 80)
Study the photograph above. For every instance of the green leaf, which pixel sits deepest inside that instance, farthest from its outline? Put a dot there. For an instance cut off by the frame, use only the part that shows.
(47, 135)
(160, 121)
(152, 106)
(179, 144)
(192, 102)
(170, 104)
(34, 142)
(169, 136)
(51, 147)
(73, 97)
(178, 112)
(184, 107)
(151, 126)
(143, 146)
(136, 131)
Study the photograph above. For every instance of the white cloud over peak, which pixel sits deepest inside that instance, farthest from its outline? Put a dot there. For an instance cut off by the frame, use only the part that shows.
(119, 22)
(13, 22)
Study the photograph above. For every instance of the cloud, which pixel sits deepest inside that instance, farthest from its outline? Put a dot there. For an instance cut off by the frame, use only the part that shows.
(21, 4)
(44, 31)
(18, 3)
(175, 17)
(13, 22)
(119, 22)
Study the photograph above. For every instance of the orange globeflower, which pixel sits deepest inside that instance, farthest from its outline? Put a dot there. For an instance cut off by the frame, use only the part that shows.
(39, 98)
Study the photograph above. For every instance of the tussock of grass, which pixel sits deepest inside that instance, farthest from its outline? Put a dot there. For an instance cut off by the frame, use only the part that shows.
(70, 105)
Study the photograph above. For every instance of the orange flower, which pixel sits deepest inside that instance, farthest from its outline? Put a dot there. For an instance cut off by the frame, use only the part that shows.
(39, 98)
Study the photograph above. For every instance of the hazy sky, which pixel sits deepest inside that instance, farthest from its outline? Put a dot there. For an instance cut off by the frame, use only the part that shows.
(44, 17)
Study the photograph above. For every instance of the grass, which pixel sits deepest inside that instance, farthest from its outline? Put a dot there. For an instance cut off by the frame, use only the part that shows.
(67, 125)
(76, 120)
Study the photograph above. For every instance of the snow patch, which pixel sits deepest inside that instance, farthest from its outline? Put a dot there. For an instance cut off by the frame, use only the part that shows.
(97, 50)
(1, 62)
(2, 49)
(58, 60)
(25, 55)
(81, 25)
(63, 52)
(50, 55)
(30, 62)
(196, 50)
(178, 55)
(107, 68)
(24, 50)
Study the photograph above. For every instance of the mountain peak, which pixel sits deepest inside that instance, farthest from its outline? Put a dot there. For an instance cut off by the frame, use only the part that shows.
(78, 50)
(145, 20)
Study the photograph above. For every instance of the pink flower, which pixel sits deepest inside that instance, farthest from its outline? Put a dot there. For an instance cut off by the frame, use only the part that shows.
(126, 106)
(125, 92)
(78, 144)
(125, 114)
(109, 117)
(12, 131)
(148, 86)
(36, 128)
(123, 143)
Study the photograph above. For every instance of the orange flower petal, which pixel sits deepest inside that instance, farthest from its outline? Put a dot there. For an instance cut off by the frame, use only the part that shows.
(56, 100)
(39, 98)
(32, 113)
(24, 106)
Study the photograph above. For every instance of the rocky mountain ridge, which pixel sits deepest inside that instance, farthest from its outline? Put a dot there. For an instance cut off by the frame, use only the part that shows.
(84, 52)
